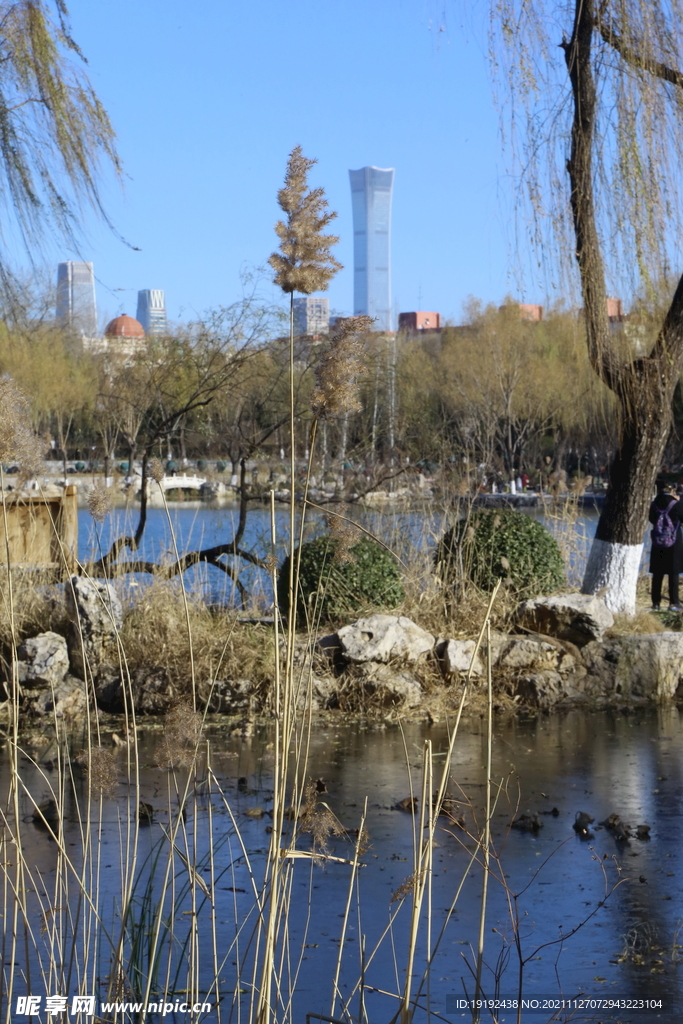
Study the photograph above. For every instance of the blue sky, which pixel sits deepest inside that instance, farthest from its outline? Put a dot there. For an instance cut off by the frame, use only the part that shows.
(208, 99)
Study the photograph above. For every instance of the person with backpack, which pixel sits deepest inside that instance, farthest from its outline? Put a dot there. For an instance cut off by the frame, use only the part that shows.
(666, 557)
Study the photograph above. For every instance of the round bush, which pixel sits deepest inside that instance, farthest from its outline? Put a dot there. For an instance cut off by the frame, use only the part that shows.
(501, 544)
(330, 591)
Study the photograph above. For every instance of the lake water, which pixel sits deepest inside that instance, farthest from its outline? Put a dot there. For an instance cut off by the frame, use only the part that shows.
(410, 534)
(594, 916)
(625, 899)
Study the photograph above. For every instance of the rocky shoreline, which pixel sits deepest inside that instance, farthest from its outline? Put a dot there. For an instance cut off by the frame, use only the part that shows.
(557, 654)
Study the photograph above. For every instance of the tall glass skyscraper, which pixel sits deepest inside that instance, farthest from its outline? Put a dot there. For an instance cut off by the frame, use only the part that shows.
(76, 307)
(371, 189)
(152, 311)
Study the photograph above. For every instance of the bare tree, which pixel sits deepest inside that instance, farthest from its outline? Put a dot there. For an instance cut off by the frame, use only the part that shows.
(144, 399)
(604, 97)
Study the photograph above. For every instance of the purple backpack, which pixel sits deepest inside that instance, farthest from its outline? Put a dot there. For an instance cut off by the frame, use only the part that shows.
(664, 531)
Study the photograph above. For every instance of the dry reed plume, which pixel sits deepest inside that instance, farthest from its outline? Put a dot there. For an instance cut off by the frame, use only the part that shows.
(100, 764)
(99, 503)
(344, 533)
(336, 376)
(318, 820)
(182, 733)
(155, 470)
(304, 262)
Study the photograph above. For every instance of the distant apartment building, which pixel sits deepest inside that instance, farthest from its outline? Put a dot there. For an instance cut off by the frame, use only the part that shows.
(76, 307)
(311, 315)
(151, 311)
(615, 310)
(526, 310)
(419, 321)
(529, 311)
(371, 194)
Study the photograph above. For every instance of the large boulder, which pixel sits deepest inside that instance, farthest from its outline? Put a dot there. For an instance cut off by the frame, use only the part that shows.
(43, 661)
(645, 667)
(384, 638)
(579, 618)
(96, 617)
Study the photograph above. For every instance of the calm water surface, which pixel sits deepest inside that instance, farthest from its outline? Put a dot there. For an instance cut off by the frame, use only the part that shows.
(408, 534)
(573, 761)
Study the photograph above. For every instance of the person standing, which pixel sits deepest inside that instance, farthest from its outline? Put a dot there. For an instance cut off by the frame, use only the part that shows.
(666, 557)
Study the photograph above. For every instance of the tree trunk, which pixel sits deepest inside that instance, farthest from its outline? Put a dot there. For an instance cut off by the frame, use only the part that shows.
(644, 387)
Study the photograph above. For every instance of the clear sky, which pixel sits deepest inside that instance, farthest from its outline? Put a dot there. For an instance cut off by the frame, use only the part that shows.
(207, 100)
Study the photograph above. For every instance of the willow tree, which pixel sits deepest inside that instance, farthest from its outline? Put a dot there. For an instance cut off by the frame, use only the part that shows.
(602, 145)
(54, 132)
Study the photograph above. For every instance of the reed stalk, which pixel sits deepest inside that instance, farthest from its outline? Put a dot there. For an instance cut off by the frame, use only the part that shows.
(486, 841)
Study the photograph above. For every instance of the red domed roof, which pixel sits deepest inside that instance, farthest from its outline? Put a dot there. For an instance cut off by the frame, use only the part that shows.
(124, 327)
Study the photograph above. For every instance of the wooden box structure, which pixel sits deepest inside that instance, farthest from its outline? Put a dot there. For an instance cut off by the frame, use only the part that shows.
(42, 530)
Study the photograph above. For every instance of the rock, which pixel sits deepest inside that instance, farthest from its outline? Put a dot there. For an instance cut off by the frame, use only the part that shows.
(66, 699)
(390, 688)
(524, 654)
(230, 696)
(108, 690)
(408, 805)
(456, 656)
(328, 649)
(528, 823)
(579, 618)
(383, 638)
(542, 689)
(324, 693)
(43, 661)
(582, 822)
(153, 692)
(640, 666)
(96, 617)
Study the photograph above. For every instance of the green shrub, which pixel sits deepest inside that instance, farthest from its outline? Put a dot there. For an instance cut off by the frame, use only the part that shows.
(330, 591)
(501, 544)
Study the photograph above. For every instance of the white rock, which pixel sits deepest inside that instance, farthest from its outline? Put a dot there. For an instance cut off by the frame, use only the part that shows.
(579, 618)
(384, 638)
(96, 617)
(456, 656)
(43, 661)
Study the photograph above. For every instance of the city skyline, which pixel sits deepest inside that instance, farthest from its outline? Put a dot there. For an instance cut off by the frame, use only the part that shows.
(371, 195)
(76, 302)
(175, 213)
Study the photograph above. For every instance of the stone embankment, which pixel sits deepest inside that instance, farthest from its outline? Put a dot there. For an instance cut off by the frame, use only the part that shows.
(557, 654)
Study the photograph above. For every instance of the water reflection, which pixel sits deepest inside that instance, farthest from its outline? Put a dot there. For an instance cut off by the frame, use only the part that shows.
(600, 763)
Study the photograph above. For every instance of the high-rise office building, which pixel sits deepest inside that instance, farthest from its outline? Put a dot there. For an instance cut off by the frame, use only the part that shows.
(311, 315)
(76, 305)
(371, 189)
(151, 311)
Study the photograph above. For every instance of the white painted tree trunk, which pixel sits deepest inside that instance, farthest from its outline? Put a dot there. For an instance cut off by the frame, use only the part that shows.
(613, 568)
